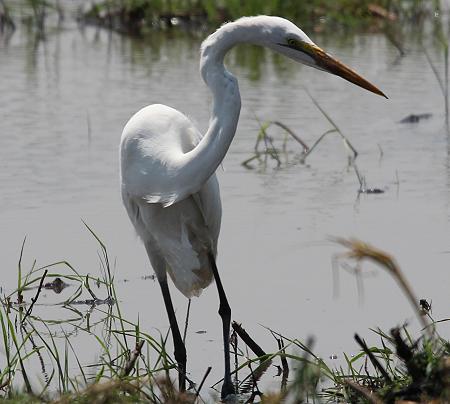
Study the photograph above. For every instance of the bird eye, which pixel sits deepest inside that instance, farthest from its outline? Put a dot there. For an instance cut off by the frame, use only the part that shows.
(292, 42)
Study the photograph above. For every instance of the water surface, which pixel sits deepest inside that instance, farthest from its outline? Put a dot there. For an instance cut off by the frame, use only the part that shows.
(65, 101)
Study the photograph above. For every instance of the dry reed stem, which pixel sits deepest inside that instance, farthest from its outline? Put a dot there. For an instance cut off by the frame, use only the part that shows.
(358, 251)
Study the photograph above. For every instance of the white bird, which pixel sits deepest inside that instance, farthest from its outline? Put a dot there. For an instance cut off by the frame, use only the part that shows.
(168, 181)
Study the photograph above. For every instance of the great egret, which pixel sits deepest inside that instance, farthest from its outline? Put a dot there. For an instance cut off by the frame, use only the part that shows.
(168, 183)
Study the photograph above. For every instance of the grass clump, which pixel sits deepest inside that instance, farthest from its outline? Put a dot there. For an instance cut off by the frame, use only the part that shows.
(132, 365)
(270, 151)
(400, 369)
(403, 368)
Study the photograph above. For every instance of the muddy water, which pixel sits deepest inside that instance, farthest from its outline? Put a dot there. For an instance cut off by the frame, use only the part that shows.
(65, 101)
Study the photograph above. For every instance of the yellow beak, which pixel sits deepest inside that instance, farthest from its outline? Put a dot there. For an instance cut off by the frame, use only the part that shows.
(328, 63)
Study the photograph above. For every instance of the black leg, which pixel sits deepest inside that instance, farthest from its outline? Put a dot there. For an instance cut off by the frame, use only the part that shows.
(180, 349)
(225, 314)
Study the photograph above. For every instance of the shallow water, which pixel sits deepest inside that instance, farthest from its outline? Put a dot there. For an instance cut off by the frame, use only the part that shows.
(66, 99)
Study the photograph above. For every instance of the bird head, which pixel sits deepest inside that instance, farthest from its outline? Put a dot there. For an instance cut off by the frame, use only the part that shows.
(287, 39)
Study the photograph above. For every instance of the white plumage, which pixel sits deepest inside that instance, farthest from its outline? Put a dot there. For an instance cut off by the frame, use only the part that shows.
(168, 183)
(179, 235)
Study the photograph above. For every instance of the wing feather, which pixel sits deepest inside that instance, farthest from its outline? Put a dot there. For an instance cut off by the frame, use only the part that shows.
(151, 145)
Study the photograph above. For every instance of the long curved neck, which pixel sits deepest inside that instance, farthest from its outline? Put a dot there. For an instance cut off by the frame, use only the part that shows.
(201, 162)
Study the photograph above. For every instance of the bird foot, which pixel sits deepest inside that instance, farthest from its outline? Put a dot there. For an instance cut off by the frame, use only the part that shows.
(228, 393)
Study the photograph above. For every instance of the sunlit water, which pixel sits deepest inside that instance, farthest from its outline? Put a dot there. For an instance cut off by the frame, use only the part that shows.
(64, 102)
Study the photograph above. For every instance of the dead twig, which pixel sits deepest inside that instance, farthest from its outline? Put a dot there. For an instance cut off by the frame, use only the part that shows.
(34, 299)
(208, 371)
(256, 349)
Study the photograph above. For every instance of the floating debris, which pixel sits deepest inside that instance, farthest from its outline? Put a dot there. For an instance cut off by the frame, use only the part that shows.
(362, 183)
(415, 118)
(371, 191)
(94, 302)
(57, 285)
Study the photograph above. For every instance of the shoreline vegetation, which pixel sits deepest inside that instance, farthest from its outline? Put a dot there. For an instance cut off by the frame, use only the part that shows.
(134, 366)
(138, 17)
